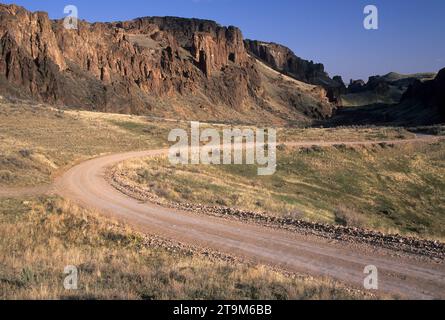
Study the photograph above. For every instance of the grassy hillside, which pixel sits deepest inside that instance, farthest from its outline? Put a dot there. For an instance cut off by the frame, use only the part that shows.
(390, 188)
(367, 98)
(40, 236)
(38, 142)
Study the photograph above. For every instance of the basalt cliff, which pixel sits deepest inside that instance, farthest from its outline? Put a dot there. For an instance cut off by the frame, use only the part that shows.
(161, 66)
(394, 99)
(286, 61)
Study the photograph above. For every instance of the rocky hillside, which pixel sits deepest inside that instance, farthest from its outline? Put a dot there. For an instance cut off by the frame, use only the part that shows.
(428, 97)
(284, 60)
(163, 66)
(387, 89)
(421, 102)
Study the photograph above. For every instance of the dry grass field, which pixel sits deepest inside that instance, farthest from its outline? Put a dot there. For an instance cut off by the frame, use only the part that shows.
(40, 236)
(389, 188)
(37, 141)
(343, 134)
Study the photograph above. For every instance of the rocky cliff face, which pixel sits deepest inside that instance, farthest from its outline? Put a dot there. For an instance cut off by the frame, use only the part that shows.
(385, 100)
(284, 60)
(428, 94)
(387, 89)
(166, 66)
(30, 56)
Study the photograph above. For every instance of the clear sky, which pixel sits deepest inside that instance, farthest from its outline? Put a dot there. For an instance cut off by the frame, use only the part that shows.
(411, 35)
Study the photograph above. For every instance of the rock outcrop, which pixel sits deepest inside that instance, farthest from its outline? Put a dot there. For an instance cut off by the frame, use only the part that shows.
(387, 100)
(428, 94)
(285, 61)
(387, 89)
(356, 86)
(164, 66)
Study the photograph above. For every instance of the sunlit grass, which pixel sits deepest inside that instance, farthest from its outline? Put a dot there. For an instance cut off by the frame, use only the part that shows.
(39, 237)
(389, 188)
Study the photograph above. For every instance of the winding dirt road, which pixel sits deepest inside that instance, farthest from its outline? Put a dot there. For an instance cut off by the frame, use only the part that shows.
(407, 275)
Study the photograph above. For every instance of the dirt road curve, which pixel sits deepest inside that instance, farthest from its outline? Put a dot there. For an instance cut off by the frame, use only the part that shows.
(409, 276)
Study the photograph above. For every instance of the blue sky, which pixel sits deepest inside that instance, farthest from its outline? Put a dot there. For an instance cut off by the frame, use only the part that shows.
(411, 35)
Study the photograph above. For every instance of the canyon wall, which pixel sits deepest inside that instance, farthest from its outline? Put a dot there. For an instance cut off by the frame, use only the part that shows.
(164, 66)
